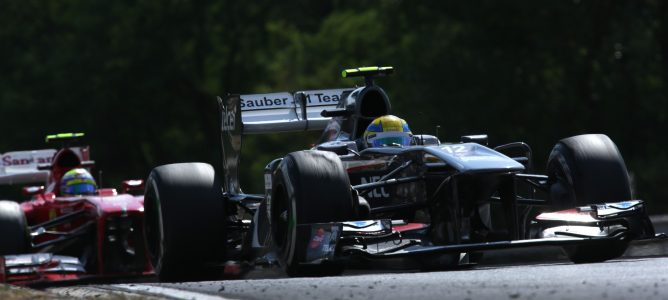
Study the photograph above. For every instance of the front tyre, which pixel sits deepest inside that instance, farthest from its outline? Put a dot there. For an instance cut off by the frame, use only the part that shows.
(308, 187)
(597, 252)
(588, 169)
(13, 229)
(185, 221)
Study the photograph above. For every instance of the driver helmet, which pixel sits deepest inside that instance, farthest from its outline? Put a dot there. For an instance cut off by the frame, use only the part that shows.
(388, 130)
(77, 182)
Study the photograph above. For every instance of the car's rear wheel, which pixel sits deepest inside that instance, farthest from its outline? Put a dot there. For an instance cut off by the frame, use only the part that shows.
(13, 229)
(308, 187)
(588, 169)
(185, 222)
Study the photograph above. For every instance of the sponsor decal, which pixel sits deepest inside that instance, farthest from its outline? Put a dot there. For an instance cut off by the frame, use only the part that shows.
(286, 100)
(377, 192)
(21, 160)
(316, 241)
(229, 119)
(251, 102)
(623, 204)
(322, 244)
(360, 224)
(322, 99)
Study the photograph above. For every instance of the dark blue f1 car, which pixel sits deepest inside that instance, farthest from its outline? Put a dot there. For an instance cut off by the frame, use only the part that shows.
(439, 204)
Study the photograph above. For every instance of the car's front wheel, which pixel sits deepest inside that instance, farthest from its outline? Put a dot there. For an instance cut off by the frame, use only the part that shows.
(13, 229)
(308, 187)
(588, 169)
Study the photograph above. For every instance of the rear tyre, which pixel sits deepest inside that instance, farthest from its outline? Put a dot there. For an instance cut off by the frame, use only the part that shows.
(308, 187)
(588, 169)
(13, 229)
(185, 222)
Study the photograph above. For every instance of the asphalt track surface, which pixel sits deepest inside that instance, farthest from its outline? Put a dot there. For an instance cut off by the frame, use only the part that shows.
(628, 278)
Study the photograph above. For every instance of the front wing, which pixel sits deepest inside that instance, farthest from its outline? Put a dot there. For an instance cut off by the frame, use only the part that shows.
(29, 269)
(591, 225)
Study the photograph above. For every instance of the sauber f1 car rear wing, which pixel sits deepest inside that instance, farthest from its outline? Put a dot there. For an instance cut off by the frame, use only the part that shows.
(279, 112)
(269, 113)
(283, 112)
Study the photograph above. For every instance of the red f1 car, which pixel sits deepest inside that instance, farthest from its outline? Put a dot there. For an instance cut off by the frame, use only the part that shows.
(57, 237)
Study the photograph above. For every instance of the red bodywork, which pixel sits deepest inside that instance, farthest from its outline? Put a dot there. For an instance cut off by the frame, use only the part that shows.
(79, 237)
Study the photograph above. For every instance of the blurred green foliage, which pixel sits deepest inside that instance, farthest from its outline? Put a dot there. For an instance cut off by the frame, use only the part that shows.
(140, 77)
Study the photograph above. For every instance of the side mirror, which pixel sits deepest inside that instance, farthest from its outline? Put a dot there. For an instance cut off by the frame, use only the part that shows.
(426, 140)
(478, 138)
(338, 147)
(130, 186)
(336, 112)
(106, 192)
(30, 191)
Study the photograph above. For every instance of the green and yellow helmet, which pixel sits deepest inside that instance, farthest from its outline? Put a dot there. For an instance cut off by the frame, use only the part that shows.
(77, 182)
(388, 130)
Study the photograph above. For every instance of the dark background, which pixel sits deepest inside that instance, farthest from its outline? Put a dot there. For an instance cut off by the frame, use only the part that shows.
(140, 77)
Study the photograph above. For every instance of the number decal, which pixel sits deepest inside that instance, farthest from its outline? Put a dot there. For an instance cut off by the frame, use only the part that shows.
(454, 149)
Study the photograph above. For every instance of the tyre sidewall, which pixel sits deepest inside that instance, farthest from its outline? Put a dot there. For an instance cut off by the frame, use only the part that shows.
(593, 169)
(13, 229)
(286, 185)
(325, 197)
(185, 212)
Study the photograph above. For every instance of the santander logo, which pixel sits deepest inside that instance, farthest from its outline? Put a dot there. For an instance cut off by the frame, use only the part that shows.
(9, 161)
(26, 159)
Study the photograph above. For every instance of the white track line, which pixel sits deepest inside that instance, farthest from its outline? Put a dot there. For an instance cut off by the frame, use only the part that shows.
(166, 292)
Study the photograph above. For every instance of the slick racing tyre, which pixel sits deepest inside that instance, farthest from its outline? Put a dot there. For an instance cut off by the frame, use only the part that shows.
(185, 221)
(13, 229)
(597, 252)
(588, 169)
(308, 187)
